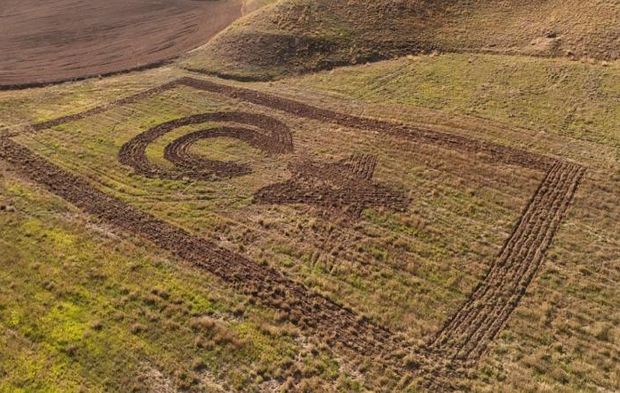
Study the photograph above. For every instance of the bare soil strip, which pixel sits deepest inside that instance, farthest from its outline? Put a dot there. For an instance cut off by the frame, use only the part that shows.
(466, 335)
(53, 41)
(316, 314)
(464, 338)
(484, 150)
(269, 135)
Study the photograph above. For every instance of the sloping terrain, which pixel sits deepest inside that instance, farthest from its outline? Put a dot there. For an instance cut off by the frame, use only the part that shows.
(375, 240)
(560, 338)
(432, 223)
(294, 36)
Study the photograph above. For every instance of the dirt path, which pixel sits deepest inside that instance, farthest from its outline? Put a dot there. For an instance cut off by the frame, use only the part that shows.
(50, 41)
(464, 337)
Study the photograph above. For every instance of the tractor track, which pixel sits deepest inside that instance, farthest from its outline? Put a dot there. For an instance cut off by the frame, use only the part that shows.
(269, 135)
(464, 337)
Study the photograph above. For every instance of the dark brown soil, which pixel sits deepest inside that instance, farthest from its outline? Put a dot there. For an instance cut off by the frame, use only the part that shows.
(344, 186)
(268, 135)
(464, 337)
(51, 41)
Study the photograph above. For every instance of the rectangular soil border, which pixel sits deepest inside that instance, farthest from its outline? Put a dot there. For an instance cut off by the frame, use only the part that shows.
(463, 338)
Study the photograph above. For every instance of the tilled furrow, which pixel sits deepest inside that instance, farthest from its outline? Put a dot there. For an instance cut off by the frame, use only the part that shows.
(472, 307)
(511, 263)
(511, 287)
(99, 109)
(487, 151)
(465, 338)
(480, 307)
(490, 151)
(526, 278)
(271, 136)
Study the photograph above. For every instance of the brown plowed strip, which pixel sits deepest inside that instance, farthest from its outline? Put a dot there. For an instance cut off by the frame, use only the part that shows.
(361, 165)
(99, 109)
(51, 41)
(484, 150)
(314, 313)
(467, 334)
(191, 165)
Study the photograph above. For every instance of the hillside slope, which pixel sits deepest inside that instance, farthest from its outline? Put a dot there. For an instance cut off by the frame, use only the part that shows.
(295, 36)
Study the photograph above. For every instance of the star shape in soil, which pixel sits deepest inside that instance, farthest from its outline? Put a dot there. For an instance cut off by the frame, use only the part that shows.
(345, 186)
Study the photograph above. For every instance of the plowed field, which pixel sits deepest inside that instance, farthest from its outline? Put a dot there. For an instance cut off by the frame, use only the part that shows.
(60, 40)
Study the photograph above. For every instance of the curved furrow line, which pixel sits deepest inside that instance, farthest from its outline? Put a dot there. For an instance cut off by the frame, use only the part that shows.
(270, 136)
